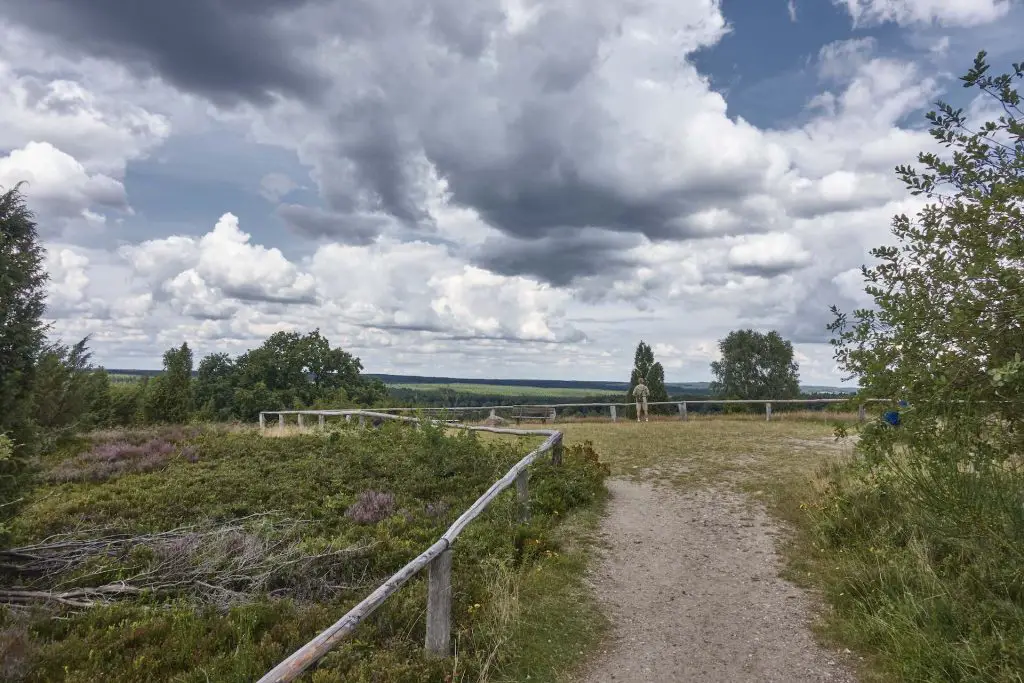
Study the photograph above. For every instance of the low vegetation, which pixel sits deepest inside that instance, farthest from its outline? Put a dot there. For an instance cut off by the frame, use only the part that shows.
(211, 554)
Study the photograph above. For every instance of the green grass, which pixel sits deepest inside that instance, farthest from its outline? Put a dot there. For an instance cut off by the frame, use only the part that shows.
(505, 390)
(515, 586)
(921, 568)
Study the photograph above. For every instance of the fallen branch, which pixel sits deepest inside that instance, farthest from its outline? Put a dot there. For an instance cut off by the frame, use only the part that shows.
(220, 565)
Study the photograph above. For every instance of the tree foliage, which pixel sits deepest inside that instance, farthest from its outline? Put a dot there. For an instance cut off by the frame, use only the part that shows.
(69, 393)
(947, 325)
(288, 370)
(652, 372)
(755, 365)
(934, 507)
(22, 331)
(22, 303)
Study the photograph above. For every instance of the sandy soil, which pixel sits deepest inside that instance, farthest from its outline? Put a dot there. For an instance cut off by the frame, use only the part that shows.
(691, 584)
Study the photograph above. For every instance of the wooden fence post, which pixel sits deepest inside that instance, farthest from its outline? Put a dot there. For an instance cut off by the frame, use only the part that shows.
(862, 413)
(439, 604)
(556, 453)
(523, 494)
(554, 415)
(615, 418)
(682, 411)
(280, 420)
(302, 420)
(322, 420)
(263, 421)
(767, 412)
(492, 415)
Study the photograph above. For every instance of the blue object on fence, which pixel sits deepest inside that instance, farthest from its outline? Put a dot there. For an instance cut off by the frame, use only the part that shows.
(892, 417)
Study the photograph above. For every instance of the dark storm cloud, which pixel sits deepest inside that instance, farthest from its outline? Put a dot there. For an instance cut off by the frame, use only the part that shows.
(520, 123)
(254, 293)
(226, 50)
(808, 324)
(346, 228)
(561, 257)
(769, 271)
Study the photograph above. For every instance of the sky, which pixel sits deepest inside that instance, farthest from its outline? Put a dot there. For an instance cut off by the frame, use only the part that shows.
(497, 188)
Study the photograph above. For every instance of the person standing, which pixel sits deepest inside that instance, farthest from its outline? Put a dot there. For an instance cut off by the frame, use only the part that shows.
(641, 392)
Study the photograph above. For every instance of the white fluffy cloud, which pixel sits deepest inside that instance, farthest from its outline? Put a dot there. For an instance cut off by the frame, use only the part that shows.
(948, 12)
(57, 182)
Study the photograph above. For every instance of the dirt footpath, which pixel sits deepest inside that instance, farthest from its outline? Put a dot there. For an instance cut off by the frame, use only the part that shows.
(691, 584)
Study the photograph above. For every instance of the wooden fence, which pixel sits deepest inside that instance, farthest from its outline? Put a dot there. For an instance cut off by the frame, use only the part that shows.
(493, 411)
(438, 557)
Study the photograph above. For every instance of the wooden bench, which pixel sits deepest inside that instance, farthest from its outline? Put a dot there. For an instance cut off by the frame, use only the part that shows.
(543, 414)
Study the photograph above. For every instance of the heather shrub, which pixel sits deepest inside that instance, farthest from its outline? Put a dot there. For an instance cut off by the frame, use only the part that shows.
(116, 458)
(371, 507)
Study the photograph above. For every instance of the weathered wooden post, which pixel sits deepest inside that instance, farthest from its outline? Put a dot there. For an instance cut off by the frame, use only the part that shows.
(554, 415)
(862, 413)
(439, 604)
(523, 494)
(493, 414)
(302, 420)
(263, 421)
(280, 420)
(615, 417)
(322, 420)
(556, 453)
(682, 411)
(767, 412)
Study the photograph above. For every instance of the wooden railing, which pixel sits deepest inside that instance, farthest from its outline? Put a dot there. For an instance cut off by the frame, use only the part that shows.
(612, 407)
(438, 557)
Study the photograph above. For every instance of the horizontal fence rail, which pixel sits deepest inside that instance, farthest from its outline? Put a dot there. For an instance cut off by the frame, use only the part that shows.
(437, 557)
(551, 409)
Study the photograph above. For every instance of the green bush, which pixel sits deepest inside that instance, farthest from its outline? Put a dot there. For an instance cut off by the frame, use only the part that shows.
(921, 542)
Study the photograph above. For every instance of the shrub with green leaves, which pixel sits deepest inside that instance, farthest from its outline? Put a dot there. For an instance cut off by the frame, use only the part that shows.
(924, 537)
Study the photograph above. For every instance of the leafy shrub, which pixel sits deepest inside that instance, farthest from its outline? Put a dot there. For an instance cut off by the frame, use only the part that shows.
(922, 540)
(371, 507)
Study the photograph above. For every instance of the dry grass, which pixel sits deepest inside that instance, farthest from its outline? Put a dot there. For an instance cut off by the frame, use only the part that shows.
(740, 450)
(726, 450)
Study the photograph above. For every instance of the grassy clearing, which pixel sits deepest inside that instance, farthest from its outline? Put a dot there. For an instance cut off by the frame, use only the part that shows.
(734, 450)
(244, 547)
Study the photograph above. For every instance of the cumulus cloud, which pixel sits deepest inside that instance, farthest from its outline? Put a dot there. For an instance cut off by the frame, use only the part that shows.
(195, 44)
(49, 103)
(904, 12)
(59, 183)
(419, 286)
(198, 274)
(768, 255)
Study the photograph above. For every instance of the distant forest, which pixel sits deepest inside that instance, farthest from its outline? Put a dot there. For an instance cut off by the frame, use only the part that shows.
(440, 392)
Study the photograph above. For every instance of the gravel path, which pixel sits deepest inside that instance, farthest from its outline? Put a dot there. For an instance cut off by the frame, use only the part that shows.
(691, 584)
